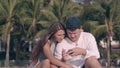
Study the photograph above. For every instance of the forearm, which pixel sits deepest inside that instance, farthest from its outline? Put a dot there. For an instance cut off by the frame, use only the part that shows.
(53, 66)
(57, 62)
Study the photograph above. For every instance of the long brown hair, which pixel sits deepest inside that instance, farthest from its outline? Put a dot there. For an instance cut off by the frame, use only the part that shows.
(54, 27)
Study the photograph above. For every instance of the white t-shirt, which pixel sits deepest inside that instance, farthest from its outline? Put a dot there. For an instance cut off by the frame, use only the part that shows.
(53, 47)
(86, 41)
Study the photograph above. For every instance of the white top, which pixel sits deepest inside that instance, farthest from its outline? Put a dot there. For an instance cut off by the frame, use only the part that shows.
(86, 41)
(52, 47)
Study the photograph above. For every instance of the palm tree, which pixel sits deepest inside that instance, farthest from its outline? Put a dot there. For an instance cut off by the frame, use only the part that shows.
(107, 11)
(60, 10)
(8, 11)
(93, 19)
(110, 8)
(32, 16)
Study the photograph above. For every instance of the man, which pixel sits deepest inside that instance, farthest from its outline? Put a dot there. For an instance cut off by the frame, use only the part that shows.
(79, 47)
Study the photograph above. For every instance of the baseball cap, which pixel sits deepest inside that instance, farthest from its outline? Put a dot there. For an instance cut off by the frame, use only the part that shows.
(73, 23)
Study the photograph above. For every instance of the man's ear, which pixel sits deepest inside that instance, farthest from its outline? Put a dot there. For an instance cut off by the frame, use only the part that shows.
(81, 29)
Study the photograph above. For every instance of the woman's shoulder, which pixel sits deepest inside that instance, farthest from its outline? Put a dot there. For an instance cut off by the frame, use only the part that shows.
(48, 42)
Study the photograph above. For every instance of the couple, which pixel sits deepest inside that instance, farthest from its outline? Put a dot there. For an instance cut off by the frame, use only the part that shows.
(56, 49)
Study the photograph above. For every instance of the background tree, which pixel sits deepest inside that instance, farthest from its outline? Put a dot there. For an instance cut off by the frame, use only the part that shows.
(60, 10)
(104, 13)
(32, 16)
(8, 12)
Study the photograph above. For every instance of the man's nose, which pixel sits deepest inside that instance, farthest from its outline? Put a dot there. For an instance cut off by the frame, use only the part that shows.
(72, 35)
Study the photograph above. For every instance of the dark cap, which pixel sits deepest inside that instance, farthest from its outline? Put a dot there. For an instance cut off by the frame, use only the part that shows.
(73, 23)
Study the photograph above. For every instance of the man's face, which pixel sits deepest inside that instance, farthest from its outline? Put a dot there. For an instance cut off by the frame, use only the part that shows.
(74, 35)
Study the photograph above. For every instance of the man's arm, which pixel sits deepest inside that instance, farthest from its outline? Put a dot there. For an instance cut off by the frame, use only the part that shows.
(92, 53)
(92, 49)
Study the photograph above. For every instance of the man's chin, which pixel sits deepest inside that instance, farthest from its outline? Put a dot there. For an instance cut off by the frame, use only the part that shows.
(73, 40)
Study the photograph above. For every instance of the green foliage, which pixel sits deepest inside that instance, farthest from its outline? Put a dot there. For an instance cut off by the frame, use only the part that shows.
(9, 17)
(89, 25)
(117, 30)
(60, 10)
(40, 34)
(99, 32)
(93, 13)
(115, 55)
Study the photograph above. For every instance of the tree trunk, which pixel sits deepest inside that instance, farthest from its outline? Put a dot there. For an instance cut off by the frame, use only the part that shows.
(7, 51)
(108, 44)
(108, 53)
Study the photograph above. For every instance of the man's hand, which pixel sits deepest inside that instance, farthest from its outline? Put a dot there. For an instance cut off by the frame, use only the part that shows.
(76, 51)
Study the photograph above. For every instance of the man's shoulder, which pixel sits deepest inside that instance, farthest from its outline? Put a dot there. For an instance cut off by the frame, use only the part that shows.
(86, 34)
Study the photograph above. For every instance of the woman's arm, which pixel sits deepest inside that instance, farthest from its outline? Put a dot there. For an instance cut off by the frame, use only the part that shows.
(47, 51)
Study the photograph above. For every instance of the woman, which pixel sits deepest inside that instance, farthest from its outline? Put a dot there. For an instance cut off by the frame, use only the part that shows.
(43, 51)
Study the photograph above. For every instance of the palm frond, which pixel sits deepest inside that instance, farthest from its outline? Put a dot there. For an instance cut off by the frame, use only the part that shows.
(40, 34)
(6, 30)
(100, 32)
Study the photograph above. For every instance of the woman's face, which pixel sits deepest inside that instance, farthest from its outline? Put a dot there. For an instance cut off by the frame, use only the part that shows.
(59, 35)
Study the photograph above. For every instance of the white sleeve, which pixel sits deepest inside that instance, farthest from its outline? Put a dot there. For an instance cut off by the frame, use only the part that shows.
(92, 49)
(58, 51)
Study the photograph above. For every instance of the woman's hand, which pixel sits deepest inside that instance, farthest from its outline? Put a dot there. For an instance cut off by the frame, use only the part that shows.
(64, 55)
